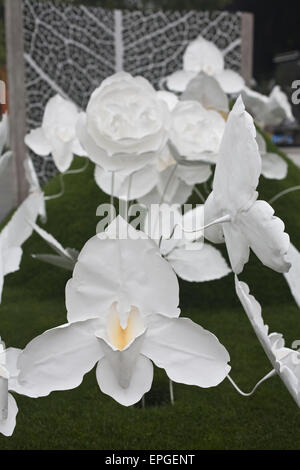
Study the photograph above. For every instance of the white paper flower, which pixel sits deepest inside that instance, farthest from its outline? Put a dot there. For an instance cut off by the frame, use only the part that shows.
(208, 92)
(268, 110)
(204, 56)
(273, 166)
(285, 361)
(64, 258)
(122, 308)
(196, 132)
(191, 259)
(125, 125)
(251, 223)
(15, 233)
(57, 135)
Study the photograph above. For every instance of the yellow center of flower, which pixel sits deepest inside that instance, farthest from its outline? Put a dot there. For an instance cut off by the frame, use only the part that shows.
(120, 337)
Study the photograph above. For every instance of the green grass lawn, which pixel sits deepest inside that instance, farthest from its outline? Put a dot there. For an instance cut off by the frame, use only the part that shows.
(216, 418)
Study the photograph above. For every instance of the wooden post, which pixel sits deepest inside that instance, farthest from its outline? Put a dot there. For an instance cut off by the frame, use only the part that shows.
(16, 94)
(247, 46)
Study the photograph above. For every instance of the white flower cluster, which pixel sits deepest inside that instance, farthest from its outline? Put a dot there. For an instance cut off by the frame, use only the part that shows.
(122, 300)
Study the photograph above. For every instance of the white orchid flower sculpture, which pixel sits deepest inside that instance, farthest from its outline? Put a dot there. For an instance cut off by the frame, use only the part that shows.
(122, 304)
(122, 301)
(269, 110)
(285, 361)
(202, 55)
(57, 134)
(245, 221)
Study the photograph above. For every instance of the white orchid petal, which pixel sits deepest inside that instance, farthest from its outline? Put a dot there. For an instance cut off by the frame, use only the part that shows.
(8, 425)
(204, 264)
(178, 81)
(140, 383)
(134, 185)
(230, 81)
(188, 353)
(239, 163)
(237, 247)
(211, 213)
(266, 236)
(59, 358)
(273, 166)
(125, 375)
(203, 55)
(128, 270)
(207, 91)
(38, 143)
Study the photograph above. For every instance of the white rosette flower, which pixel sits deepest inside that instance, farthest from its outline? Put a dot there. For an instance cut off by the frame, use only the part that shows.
(286, 361)
(57, 135)
(196, 132)
(247, 223)
(273, 166)
(204, 56)
(15, 233)
(180, 241)
(125, 125)
(269, 110)
(34, 186)
(122, 310)
(293, 276)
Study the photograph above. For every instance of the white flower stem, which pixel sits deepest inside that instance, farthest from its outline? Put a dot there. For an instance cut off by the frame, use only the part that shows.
(171, 389)
(245, 394)
(62, 190)
(282, 193)
(79, 170)
(3, 398)
(143, 401)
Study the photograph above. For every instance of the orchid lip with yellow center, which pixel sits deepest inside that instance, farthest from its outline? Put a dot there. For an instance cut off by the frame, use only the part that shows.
(121, 334)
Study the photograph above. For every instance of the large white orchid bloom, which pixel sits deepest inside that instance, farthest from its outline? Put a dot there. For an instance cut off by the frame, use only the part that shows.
(204, 56)
(285, 361)
(122, 311)
(268, 110)
(15, 233)
(180, 240)
(273, 166)
(57, 135)
(250, 223)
